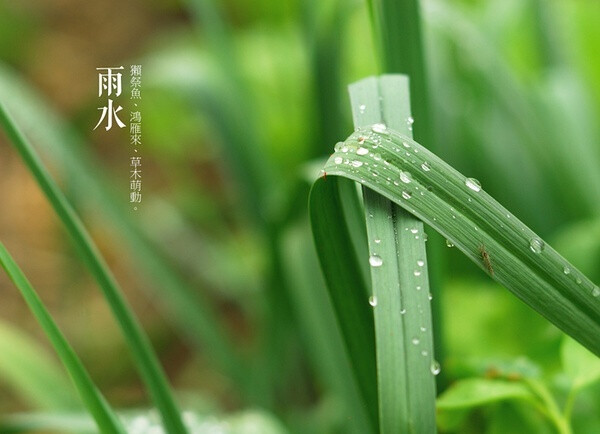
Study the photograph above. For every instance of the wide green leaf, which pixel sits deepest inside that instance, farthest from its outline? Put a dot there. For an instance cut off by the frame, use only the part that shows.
(459, 209)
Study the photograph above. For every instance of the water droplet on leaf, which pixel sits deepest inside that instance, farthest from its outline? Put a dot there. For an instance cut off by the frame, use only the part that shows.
(375, 261)
(473, 184)
(537, 245)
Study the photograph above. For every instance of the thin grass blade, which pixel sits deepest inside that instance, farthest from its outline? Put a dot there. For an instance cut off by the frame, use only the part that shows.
(100, 410)
(143, 354)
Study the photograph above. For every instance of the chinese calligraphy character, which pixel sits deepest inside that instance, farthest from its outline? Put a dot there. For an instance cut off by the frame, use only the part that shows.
(111, 112)
(109, 81)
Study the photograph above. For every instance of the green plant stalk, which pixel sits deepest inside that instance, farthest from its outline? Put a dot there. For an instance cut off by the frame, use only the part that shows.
(105, 417)
(474, 222)
(143, 354)
(403, 330)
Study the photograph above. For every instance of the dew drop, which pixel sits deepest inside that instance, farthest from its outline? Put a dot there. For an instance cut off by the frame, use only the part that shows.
(377, 157)
(377, 240)
(373, 300)
(406, 195)
(406, 145)
(362, 151)
(567, 270)
(362, 108)
(410, 121)
(338, 146)
(426, 167)
(405, 177)
(417, 273)
(536, 245)
(375, 261)
(430, 296)
(403, 311)
(473, 184)
(596, 292)
(435, 367)
(420, 263)
(357, 163)
(338, 160)
(415, 341)
(449, 243)
(414, 230)
(423, 329)
(361, 140)
(424, 353)
(379, 128)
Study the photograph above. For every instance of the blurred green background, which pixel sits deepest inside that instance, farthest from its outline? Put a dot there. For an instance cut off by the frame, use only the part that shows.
(241, 101)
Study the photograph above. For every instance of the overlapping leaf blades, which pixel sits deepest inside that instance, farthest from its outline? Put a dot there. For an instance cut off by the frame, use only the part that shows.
(457, 207)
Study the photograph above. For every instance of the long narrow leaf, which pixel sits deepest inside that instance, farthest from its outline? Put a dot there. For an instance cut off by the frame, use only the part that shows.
(399, 277)
(104, 416)
(144, 356)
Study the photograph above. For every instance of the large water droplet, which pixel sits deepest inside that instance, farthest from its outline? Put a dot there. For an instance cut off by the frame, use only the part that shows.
(379, 128)
(373, 300)
(473, 184)
(536, 245)
(375, 261)
(357, 163)
(435, 367)
(406, 195)
(426, 167)
(405, 177)
(449, 243)
(338, 146)
(338, 160)
(362, 151)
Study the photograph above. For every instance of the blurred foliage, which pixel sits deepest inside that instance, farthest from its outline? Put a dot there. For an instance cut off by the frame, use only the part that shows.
(239, 99)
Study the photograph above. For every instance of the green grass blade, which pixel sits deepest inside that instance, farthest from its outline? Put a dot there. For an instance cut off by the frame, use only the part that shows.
(400, 284)
(347, 288)
(105, 418)
(320, 330)
(480, 227)
(27, 368)
(142, 351)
